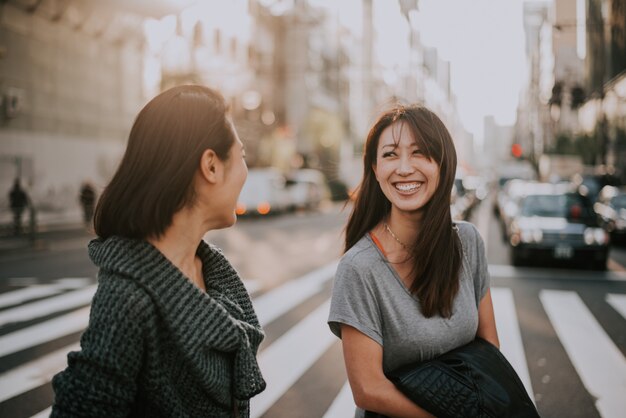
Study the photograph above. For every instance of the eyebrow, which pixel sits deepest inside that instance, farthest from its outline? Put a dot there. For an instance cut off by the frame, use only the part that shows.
(394, 145)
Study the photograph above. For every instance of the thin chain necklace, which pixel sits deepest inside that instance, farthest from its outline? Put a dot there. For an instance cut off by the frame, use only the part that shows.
(406, 247)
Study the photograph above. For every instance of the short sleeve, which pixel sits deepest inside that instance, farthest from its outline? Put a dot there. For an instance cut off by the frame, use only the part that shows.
(353, 303)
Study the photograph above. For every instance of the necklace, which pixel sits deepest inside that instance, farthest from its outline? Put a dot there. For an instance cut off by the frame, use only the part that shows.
(394, 236)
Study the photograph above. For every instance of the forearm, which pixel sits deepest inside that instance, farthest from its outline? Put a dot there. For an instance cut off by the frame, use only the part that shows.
(386, 399)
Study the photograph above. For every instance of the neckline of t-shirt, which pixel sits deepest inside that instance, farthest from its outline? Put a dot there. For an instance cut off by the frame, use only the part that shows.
(394, 273)
(381, 253)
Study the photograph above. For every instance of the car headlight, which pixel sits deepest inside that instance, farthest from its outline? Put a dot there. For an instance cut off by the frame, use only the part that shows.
(595, 236)
(531, 235)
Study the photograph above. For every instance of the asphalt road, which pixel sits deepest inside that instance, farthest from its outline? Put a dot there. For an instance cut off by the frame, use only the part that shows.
(562, 329)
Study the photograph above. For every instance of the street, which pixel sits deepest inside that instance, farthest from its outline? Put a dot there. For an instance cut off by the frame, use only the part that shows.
(563, 330)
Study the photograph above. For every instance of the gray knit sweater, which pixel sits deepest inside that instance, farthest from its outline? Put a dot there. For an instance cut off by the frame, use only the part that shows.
(158, 346)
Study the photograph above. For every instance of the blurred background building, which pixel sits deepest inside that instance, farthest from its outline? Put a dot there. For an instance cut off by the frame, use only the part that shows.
(304, 80)
(575, 100)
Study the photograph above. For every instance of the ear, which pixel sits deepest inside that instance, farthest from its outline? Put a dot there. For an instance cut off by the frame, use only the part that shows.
(210, 166)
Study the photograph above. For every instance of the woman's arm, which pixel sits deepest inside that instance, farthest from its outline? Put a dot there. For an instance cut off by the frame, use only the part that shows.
(487, 320)
(100, 379)
(371, 390)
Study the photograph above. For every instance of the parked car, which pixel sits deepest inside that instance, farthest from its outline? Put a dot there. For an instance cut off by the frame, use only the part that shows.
(611, 207)
(308, 188)
(558, 226)
(520, 171)
(507, 202)
(263, 193)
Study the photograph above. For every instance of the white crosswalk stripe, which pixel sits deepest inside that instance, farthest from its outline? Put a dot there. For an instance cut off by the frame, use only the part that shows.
(599, 363)
(509, 334)
(44, 332)
(343, 404)
(275, 303)
(618, 302)
(16, 297)
(49, 306)
(286, 359)
(43, 414)
(33, 374)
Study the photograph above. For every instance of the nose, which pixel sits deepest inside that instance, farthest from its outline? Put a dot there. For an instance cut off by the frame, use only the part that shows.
(405, 167)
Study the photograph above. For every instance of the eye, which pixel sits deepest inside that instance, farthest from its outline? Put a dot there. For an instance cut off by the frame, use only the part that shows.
(389, 154)
(418, 152)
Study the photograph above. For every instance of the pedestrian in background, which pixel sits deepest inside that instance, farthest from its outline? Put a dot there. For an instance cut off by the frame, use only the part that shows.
(412, 284)
(87, 198)
(18, 200)
(172, 331)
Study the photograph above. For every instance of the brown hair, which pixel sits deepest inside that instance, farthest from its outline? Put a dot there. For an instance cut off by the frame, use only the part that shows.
(436, 252)
(155, 177)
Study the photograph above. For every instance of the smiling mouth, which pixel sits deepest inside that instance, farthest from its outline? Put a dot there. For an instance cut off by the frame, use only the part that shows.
(408, 187)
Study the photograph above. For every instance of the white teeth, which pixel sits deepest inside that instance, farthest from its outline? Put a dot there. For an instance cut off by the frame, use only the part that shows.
(407, 187)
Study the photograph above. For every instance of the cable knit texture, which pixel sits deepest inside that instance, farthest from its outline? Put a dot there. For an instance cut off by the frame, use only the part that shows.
(158, 346)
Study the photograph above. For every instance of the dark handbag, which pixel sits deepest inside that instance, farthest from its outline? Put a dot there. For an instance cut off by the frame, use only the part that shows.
(474, 380)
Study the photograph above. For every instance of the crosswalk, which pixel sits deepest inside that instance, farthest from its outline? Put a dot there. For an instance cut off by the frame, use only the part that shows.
(40, 324)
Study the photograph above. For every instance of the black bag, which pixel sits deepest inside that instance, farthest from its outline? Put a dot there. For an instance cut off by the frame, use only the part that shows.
(474, 380)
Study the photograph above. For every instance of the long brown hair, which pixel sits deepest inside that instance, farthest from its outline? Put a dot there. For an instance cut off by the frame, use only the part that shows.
(436, 252)
(155, 177)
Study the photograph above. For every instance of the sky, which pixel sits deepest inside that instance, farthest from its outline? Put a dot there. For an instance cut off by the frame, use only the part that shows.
(484, 42)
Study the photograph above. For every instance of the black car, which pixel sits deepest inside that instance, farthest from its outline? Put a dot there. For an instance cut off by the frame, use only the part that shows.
(558, 227)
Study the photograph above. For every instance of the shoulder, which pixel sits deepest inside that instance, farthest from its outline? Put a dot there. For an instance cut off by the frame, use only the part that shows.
(466, 229)
(468, 233)
(213, 254)
(361, 257)
(361, 267)
(361, 253)
(118, 296)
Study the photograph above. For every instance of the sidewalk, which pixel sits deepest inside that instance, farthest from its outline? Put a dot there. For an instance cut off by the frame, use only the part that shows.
(51, 228)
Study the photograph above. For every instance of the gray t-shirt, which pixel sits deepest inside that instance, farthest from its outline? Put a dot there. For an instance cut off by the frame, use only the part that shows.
(369, 296)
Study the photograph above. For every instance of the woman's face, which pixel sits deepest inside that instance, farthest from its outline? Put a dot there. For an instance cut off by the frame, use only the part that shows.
(407, 178)
(236, 172)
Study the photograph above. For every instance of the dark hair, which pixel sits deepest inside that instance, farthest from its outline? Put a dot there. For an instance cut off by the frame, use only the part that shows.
(155, 177)
(436, 253)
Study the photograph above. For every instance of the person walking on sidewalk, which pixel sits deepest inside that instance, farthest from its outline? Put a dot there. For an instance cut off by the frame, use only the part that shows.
(172, 330)
(411, 284)
(87, 198)
(18, 200)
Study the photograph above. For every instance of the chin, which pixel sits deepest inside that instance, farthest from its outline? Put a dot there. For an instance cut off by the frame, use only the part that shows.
(231, 221)
(410, 208)
(227, 222)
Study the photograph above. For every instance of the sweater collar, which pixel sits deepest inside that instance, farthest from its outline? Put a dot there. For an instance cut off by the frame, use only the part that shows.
(221, 319)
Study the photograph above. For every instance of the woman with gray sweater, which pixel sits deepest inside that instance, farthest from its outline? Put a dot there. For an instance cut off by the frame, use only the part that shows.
(172, 331)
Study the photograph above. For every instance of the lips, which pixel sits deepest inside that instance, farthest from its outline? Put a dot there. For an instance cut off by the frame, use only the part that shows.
(408, 187)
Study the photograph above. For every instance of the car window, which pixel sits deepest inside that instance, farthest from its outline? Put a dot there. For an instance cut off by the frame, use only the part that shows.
(569, 206)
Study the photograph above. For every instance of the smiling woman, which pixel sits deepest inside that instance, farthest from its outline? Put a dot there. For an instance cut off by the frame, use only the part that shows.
(411, 284)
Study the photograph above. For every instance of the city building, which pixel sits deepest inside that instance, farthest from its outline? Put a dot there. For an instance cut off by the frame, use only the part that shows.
(71, 83)
(533, 116)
